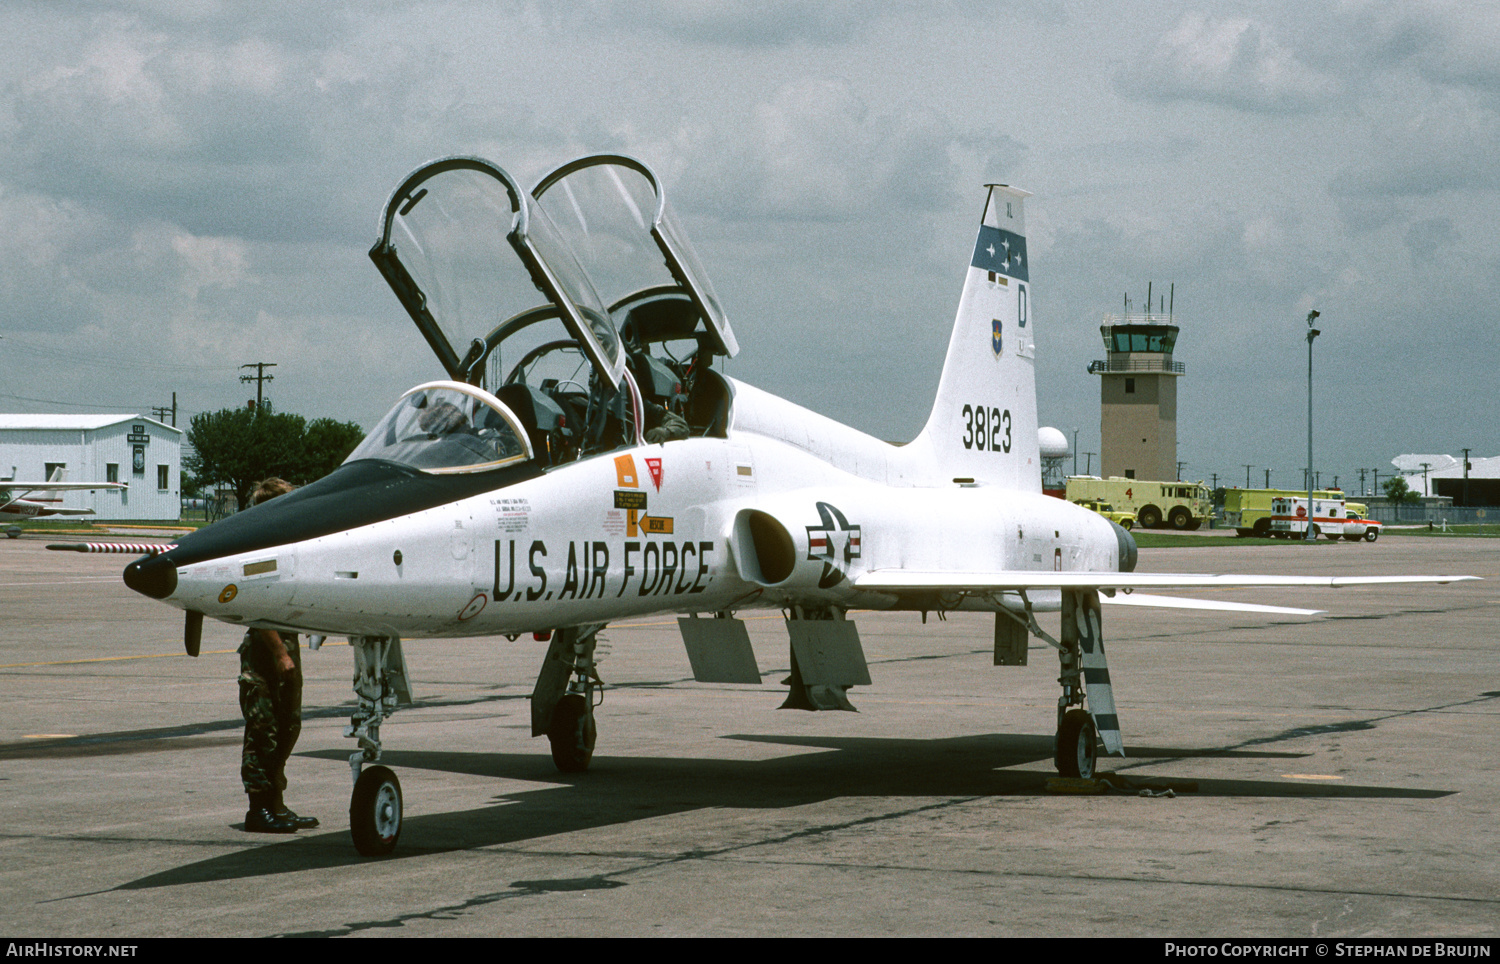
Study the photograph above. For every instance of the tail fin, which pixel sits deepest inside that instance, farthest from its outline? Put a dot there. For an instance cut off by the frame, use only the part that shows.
(983, 424)
(59, 474)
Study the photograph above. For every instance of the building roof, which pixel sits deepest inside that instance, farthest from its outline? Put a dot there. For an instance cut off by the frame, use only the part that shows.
(75, 423)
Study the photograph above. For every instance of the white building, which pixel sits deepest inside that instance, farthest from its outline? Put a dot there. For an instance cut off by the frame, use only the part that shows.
(1440, 474)
(139, 451)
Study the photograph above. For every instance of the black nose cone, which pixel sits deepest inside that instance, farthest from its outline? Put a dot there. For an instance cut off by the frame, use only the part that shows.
(154, 576)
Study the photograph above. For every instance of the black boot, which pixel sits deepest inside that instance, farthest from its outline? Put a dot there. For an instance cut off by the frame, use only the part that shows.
(298, 821)
(263, 818)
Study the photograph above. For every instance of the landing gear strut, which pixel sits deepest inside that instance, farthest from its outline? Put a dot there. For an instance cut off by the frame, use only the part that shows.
(562, 704)
(1085, 675)
(380, 684)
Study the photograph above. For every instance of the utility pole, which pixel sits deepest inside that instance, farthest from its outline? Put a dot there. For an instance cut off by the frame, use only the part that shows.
(161, 412)
(1268, 478)
(1362, 482)
(259, 378)
(1247, 474)
(1089, 465)
(1466, 477)
(1311, 334)
(1075, 451)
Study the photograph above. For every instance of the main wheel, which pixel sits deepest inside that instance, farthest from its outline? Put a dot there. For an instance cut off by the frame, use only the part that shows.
(1262, 528)
(1149, 517)
(1077, 745)
(1180, 518)
(1371, 534)
(572, 733)
(375, 812)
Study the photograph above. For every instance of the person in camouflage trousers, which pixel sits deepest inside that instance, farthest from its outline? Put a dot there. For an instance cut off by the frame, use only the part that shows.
(271, 699)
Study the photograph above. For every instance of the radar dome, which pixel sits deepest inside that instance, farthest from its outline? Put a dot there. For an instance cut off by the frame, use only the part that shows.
(1054, 444)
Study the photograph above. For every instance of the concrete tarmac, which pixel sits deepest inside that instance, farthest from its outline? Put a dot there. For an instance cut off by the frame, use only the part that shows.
(1333, 776)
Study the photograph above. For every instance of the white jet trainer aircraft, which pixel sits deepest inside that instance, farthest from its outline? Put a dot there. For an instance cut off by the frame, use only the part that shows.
(585, 463)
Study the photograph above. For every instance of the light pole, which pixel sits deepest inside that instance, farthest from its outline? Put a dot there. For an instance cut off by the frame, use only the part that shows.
(1075, 451)
(1311, 334)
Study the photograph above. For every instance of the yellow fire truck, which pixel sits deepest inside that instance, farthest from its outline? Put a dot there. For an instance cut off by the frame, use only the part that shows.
(1180, 505)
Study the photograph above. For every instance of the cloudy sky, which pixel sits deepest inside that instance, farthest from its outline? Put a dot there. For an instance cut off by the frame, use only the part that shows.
(187, 186)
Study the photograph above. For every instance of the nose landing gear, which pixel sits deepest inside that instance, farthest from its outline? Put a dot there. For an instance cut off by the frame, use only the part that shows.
(380, 684)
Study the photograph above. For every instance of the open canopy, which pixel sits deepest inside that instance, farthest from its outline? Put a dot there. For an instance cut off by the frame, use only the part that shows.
(475, 260)
(464, 248)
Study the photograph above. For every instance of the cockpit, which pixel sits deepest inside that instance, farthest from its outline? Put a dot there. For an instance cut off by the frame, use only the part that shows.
(570, 320)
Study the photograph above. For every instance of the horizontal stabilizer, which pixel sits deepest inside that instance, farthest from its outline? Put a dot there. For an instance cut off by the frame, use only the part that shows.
(1177, 602)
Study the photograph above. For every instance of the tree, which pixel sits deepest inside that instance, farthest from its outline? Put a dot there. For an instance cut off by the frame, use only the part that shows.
(1398, 492)
(326, 444)
(240, 446)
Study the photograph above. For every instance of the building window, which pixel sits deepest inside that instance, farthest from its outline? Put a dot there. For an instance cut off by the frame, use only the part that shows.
(161, 477)
(112, 471)
(1130, 386)
(1130, 473)
(51, 467)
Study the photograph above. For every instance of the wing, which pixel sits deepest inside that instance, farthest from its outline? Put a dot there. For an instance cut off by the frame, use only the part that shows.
(907, 580)
(26, 488)
(899, 580)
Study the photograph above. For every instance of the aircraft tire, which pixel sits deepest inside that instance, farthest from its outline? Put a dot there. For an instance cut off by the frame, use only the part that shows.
(375, 812)
(1077, 745)
(1371, 534)
(572, 734)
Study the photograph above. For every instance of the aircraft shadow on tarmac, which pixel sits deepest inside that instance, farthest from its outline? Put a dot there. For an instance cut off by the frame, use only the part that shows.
(619, 790)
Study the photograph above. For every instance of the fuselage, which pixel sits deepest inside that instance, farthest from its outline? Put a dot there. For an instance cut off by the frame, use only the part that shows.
(784, 510)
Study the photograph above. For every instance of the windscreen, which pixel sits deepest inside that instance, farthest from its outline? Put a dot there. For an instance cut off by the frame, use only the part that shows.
(446, 427)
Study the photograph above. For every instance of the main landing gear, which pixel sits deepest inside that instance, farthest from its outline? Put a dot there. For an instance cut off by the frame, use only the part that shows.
(562, 704)
(1084, 677)
(380, 684)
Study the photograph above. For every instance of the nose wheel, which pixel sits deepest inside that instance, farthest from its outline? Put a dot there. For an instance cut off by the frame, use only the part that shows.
(572, 733)
(375, 812)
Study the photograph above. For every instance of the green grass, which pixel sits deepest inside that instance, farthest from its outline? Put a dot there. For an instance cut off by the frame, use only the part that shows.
(1173, 540)
(1467, 531)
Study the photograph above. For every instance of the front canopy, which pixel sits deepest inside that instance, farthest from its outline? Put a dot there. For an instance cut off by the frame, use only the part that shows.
(446, 427)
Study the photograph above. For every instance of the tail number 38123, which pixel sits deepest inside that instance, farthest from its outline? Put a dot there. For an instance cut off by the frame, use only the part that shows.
(986, 429)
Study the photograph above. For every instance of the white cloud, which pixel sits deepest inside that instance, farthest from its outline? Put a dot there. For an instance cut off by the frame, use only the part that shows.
(1233, 62)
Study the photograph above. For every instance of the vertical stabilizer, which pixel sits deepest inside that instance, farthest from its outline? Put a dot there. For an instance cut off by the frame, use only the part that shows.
(983, 424)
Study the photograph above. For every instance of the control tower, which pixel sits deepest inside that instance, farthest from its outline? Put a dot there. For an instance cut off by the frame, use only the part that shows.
(1138, 395)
